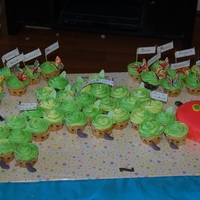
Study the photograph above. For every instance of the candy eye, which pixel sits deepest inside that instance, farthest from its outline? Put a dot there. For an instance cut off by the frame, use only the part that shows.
(196, 107)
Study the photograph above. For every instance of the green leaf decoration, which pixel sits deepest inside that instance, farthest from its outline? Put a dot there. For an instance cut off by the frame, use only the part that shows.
(53, 94)
(63, 74)
(170, 109)
(69, 97)
(142, 85)
(68, 87)
(110, 114)
(102, 73)
(79, 79)
(97, 103)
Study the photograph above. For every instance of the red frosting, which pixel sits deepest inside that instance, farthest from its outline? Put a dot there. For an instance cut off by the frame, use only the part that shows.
(189, 114)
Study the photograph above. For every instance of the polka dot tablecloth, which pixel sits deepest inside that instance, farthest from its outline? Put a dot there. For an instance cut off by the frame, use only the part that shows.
(65, 156)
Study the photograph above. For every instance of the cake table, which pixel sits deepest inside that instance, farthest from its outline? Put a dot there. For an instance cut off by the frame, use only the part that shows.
(91, 166)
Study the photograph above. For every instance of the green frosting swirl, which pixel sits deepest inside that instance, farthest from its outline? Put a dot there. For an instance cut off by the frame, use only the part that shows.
(26, 152)
(6, 146)
(33, 113)
(19, 136)
(54, 115)
(165, 118)
(142, 94)
(176, 129)
(195, 69)
(91, 111)
(102, 122)
(49, 103)
(120, 92)
(85, 98)
(101, 91)
(6, 71)
(156, 64)
(150, 78)
(132, 70)
(154, 106)
(13, 82)
(4, 131)
(70, 105)
(108, 104)
(38, 125)
(16, 121)
(29, 74)
(43, 92)
(75, 119)
(120, 114)
(58, 82)
(47, 67)
(140, 115)
(150, 128)
(62, 94)
(129, 103)
(191, 81)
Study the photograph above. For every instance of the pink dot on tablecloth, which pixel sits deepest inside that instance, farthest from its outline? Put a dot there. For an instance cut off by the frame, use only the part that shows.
(48, 146)
(47, 179)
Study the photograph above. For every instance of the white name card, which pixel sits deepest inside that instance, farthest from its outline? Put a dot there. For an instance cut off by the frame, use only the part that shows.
(10, 55)
(161, 96)
(32, 54)
(184, 53)
(180, 64)
(51, 48)
(27, 106)
(198, 63)
(146, 50)
(15, 60)
(165, 47)
(154, 59)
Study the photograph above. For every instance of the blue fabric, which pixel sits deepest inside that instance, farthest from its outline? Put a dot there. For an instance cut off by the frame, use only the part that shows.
(161, 188)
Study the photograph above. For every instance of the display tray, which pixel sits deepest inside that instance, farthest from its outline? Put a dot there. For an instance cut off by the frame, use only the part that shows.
(65, 156)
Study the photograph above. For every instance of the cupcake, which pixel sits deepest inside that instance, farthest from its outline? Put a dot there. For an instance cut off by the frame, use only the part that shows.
(37, 113)
(75, 121)
(85, 98)
(101, 91)
(141, 93)
(16, 122)
(43, 93)
(91, 111)
(16, 87)
(193, 84)
(176, 133)
(135, 69)
(49, 103)
(4, 132)
(108, 104)
(102, 126)
(172, 84)
(165, 117)
(56, 118)
(6, 72)
(153, 105)
(20, 136)
(39, 128)
(62, 94)
(101, 75)
(183, 73)
(151, 133)
(26, 155)
(140, 115)
(129, 103)
(6, 153)
(161, 63)
(58, 82)
(121, 118)
(120, 92)
(33, 72)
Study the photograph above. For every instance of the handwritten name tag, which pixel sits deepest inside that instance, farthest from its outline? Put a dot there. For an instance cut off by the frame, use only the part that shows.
(180, 64)
(10, 55)
(161, 96)
(154, 59)
(15, 60)
(165, 47)
(146, 50)
(198, 63)
(51, 48)
(32, 54)
(184, 53)
(27, 106)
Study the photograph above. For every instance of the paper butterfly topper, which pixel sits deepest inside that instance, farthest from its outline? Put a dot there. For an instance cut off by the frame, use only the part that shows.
(58, 64)
(141, 68)
(172, 81)
(34, 69)
(183, 70)
(165, 64)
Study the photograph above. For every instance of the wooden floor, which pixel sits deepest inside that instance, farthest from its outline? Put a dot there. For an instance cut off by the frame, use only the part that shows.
(83, 52)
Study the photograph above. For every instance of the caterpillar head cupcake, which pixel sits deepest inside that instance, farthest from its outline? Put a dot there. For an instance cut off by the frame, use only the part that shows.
(26, 156)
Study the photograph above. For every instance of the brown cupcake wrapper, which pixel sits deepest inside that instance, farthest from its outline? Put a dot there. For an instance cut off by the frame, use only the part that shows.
(150, 86)
(46, 77)
(35, 81)
(135, 78)
(17, 91)
(56, 126)
(120, 125)
(100, 133)
(155, 139)
(173, 93)
(23, 163)
(193, 91)
(8, 157)
(74, 129)
(135, 126)
(40, 137)
(178, 141)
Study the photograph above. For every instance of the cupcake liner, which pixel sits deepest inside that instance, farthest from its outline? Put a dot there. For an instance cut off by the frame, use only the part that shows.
(193, 91)
(178, 141)
(135, 126)
(40, 137)
(155, 138)
(46, 77)
(74, 129)
(88, 123)
(149, 86)
(135, 78)
(17, 91)
(23, 163)
(35, 81)
(100, 133)
(173, 93)
(56, 126)
(8, 157)
(120, 125)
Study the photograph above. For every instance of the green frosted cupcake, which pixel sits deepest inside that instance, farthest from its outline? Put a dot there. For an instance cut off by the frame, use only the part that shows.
(101, 91)
(142, 94)
(129, 103)
(154, 106)
(164, 117)
(4, 132)
(70, 105)
(44, 92)
(49, 103)
(120, 92)
(37, 113)
(16, 122)
(108, 104)
(193, 84)
(85, 98)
